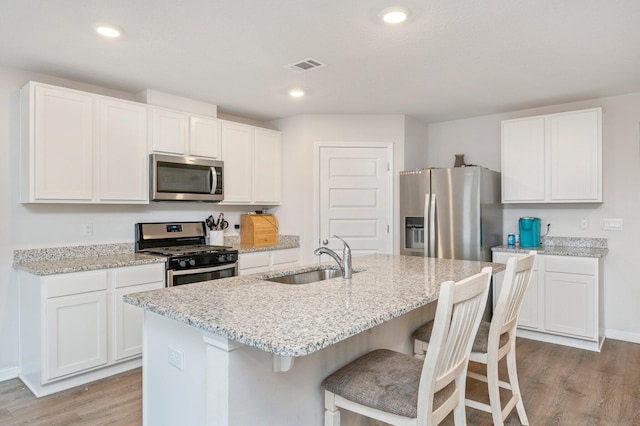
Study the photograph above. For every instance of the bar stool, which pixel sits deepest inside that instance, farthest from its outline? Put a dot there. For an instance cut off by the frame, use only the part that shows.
(495, 340)
(400, 389)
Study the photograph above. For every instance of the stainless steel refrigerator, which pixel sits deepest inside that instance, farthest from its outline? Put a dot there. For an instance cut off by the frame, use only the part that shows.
(450, 213)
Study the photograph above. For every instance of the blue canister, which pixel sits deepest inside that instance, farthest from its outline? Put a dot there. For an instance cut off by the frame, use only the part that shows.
(511, 239)
(529, 231)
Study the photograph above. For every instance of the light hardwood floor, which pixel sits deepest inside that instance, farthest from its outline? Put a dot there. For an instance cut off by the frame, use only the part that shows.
(561, 386)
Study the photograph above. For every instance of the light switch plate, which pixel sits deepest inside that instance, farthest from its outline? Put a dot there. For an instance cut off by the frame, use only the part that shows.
(612, 224)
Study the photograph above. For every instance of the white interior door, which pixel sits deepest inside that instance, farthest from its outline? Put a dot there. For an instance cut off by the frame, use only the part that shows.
(355, 198)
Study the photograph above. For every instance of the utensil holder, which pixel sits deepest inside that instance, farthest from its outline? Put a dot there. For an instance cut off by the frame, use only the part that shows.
(216, 238)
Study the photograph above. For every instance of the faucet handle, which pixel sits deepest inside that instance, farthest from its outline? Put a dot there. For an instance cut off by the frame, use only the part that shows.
(346, 246)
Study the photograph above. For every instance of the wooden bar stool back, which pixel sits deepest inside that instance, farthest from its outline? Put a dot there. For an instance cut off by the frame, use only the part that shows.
(497, 340)
(400, 389)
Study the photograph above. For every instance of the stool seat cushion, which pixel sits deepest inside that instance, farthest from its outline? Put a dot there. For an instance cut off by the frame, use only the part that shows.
(480, 343)
(385, 380)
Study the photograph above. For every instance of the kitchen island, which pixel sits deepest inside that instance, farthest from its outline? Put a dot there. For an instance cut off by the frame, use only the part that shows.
(243, 350)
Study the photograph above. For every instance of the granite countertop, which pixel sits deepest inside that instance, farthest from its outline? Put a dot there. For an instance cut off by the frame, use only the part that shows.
(61, 260)
(284, 242)
(563, 246)
(296, 320)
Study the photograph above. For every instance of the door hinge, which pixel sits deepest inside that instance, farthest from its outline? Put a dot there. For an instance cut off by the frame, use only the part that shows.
(388, 166)
(387, 229)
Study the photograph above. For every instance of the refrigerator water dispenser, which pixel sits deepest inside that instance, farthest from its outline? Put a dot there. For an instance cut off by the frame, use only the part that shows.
(414, 233)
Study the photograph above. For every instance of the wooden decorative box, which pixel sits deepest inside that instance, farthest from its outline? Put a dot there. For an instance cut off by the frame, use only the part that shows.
(258, 230)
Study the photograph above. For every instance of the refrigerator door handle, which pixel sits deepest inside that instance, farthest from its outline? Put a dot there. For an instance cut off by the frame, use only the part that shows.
(432, 226)
(426, 229)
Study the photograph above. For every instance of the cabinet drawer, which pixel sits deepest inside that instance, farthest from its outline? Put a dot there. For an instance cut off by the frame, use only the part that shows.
(254, 260)
(77, 283)
(285, 256)
(137, 275)
(570, 265)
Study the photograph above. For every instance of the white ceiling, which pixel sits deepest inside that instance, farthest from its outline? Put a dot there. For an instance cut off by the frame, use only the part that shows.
(452, 58)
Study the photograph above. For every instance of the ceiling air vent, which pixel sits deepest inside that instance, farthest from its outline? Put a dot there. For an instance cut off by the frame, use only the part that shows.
(305, 65)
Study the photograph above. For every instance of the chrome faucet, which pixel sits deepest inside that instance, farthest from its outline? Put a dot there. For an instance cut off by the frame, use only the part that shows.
(344, 263)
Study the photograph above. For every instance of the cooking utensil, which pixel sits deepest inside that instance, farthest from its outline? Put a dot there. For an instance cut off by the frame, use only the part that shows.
(210, 223)
(220, 222)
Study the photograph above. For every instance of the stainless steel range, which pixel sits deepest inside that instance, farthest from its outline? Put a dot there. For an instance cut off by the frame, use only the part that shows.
(189, 259)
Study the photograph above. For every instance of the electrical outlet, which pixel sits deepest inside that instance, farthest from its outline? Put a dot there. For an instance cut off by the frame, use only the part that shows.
(87, 229)
(584, 224)
(175, 357)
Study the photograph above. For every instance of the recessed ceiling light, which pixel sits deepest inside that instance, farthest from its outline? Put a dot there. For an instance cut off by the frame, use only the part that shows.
(296, 93)
(110, 31)
(394, 15)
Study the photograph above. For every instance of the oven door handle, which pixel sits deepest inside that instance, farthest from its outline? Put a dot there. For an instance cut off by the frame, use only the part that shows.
(201, 270)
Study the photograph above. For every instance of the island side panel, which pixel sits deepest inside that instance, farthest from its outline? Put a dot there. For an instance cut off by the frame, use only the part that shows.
(253, 392)
(171, 396)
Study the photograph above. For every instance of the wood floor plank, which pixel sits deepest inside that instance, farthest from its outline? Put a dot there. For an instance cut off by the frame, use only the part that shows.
(116, 400)
(561, 386)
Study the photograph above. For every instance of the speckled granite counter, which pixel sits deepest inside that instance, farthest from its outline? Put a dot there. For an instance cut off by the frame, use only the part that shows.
(60, 260)
(292, 320)
(284, 242)
(564, 246)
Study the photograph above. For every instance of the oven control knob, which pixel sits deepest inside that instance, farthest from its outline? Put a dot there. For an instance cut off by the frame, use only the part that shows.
(182, 263)
(221, 258)
(192, 262)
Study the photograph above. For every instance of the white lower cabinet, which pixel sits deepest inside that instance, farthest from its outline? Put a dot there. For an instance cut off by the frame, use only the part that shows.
(75, 324)
(126, 334)
(268, 260)
(562, 304)
(284, 258)
(529, 316)
(75, 327)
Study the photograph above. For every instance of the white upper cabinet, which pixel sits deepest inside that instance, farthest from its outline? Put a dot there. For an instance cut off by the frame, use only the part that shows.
(168, 131)
(237, 153)
(123, 151)
(204, 137)
(57, 152)
(267, 166)
(523, 171)
(555, 158)
(252, 164)
(181, 133)
(576, 156)
(78, 147)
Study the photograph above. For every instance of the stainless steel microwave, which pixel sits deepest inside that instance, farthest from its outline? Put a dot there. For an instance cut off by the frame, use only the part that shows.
(176, 178)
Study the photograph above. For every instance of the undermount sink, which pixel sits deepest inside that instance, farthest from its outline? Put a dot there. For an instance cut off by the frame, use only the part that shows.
(306, 277)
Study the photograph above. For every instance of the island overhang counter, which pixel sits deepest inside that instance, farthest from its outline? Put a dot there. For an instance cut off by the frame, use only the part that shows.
(218, 352)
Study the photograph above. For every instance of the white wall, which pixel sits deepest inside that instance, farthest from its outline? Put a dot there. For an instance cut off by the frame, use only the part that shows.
(297, 213)
(415, 149)
(37, 225)
(479, 139)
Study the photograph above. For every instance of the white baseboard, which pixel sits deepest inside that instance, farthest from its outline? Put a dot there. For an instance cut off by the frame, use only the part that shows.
(561, 340)
(9, 373)
(625, 336)
(38, 389)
